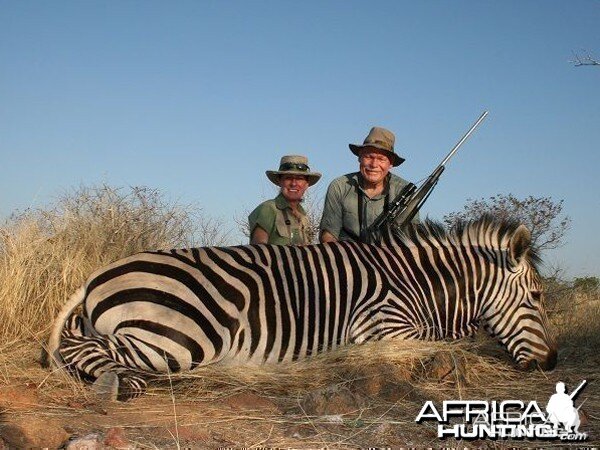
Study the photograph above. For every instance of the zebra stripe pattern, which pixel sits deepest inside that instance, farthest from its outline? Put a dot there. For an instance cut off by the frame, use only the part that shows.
(171, 311)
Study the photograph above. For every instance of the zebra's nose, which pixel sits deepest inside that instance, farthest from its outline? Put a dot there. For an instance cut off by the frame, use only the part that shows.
(527, 365)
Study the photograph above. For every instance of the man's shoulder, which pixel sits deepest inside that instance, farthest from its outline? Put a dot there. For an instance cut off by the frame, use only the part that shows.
(398, 180)
(345, 180)
(267, 207)
(342, 186)
(268, 204)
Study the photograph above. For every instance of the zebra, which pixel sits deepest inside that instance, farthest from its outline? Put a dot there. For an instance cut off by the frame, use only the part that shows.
(168, 311)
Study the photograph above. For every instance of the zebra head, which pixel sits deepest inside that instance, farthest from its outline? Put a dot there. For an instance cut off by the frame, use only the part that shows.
(514, 309)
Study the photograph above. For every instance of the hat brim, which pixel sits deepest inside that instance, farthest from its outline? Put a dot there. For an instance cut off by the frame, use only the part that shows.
(273, 175)
(396, 160)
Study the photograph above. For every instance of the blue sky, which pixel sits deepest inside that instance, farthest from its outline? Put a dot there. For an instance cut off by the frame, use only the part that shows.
(198, 99)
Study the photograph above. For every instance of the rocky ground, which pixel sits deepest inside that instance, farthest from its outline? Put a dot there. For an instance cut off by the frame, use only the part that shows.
(336, 403)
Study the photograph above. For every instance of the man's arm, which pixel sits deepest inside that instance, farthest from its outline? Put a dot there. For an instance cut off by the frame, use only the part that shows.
(326, 236)
(259, 221)
(259, 236)
(331, 220)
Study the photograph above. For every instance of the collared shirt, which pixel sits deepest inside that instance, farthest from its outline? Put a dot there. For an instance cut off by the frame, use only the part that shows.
(276, 218)
(341, 215)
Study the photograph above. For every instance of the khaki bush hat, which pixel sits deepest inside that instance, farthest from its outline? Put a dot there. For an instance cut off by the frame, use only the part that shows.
(381, 139)
(293, 165)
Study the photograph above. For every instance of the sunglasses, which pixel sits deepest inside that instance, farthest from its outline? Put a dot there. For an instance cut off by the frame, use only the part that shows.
(293, 166)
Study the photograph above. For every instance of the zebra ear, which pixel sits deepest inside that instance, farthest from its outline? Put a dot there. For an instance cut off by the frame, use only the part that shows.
(519, 243)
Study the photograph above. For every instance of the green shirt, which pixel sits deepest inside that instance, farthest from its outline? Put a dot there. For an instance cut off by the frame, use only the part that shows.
(276, 218)
(340, 212)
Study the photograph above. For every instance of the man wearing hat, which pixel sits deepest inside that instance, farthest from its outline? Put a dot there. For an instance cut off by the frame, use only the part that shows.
(355, 200)
(283, 220)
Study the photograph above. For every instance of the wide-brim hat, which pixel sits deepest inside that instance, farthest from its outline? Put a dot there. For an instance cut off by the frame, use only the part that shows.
(293, 165)
(380, 139)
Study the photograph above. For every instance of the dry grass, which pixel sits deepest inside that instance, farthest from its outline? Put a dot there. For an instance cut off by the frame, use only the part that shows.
(46, 255)
(576, 317)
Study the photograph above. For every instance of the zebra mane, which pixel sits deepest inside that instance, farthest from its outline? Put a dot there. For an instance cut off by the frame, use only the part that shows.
(480, 227)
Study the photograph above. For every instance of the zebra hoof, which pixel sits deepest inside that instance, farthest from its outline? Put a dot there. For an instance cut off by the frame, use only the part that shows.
(106, 386)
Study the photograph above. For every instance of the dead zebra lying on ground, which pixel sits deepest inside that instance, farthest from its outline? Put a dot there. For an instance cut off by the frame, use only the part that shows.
(169, 311)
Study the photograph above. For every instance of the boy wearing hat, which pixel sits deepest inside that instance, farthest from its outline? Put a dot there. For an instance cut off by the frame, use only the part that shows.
(355, 200)
(282, 220)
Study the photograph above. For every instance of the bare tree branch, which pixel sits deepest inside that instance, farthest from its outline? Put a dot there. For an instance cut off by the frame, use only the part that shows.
(584, 61)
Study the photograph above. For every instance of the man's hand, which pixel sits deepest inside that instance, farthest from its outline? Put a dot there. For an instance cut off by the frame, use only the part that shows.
(326, 236)
(259, 236)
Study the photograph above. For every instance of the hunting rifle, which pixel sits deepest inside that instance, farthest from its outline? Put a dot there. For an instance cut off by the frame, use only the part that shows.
(410, 199)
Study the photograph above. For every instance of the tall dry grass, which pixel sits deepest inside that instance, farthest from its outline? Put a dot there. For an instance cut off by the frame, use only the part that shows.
(45, 254)
(574, 313)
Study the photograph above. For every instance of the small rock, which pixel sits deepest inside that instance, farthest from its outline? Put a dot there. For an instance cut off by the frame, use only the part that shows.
(18, 397)
(115, 438)
(248, 400)
(88, 442)
(31, 432)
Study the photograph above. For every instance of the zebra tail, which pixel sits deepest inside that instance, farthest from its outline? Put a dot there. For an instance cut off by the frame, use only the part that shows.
(50, 355)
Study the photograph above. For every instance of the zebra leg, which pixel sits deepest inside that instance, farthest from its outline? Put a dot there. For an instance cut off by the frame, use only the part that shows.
(119, 386)
(102, 358)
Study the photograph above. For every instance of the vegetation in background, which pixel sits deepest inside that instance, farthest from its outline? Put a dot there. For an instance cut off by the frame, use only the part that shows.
(574, 311)
(542, 215)
(45, 254)
(589, 285)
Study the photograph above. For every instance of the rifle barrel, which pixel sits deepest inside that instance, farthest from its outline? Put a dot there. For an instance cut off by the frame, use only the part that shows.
(464, 138)
(576, 391)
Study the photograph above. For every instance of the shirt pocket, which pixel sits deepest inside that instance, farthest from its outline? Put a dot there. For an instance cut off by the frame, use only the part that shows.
(283, 229)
